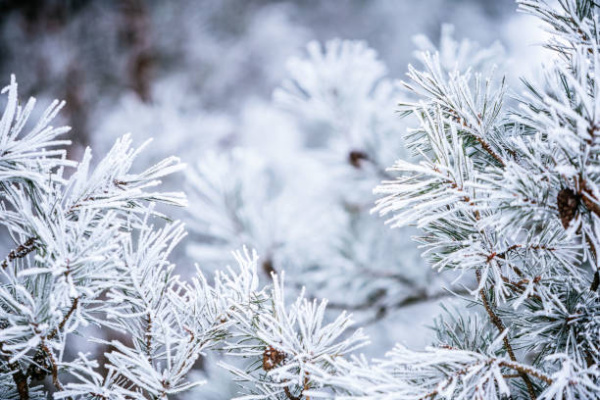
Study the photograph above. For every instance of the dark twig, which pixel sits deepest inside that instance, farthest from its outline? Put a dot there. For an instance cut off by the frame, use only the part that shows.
(21, 251)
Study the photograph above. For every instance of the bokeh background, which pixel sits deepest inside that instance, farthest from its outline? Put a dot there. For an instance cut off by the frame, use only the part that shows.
(199, 77)
(210, 60)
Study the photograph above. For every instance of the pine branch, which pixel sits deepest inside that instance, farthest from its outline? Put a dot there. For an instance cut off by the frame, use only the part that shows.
(65, 319)
(501, 329)
(53, 364)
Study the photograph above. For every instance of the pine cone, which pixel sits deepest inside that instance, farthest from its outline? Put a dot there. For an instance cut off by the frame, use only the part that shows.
(356, 157)
(272, 358)
(567, 201)
(38, 370)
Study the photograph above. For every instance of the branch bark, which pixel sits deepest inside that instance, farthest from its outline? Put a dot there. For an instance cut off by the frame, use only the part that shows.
(21, 251)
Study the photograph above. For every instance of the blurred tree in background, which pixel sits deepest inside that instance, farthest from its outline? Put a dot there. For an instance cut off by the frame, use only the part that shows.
(93, 52)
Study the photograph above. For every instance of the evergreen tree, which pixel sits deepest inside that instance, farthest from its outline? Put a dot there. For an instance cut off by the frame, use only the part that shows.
(506, 195)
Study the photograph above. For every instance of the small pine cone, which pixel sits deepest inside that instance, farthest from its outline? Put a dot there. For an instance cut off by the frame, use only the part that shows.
(272, 358)
(38, 370)
(356, 157)
(567, 202)
(596, 281)
(268, 267)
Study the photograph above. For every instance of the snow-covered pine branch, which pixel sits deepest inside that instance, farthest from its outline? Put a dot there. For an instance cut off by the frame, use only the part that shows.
(70, 239)
(511, 195)
(284, 346)
(28, 157)
(91, 258)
